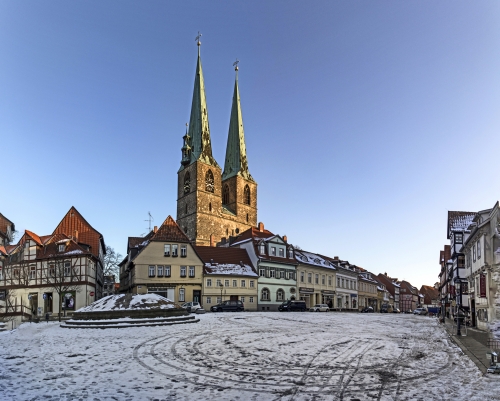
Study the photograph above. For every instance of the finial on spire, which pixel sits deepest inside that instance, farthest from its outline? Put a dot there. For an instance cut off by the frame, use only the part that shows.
(198, 38)
(235, 64)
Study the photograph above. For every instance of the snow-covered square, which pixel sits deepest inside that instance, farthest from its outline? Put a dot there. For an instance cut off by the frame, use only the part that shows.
(244, 356)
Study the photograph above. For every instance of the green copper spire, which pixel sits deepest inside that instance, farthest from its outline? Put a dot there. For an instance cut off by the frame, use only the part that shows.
(236, 154)
(198, 136)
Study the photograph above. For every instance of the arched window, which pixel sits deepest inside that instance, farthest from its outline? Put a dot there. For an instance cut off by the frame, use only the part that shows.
(246, 195)
(265, 295)
(225, 195)
(187, 183)
(280, 295)
(209, 181)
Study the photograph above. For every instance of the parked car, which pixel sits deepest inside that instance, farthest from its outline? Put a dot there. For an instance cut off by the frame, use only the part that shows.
(191, 306)
(408, 311)
(290, 306)
(396, 310)
(228, 306)
(420, 311)
(319, 308)
(368, 309)
(493, 369)
(384, 310)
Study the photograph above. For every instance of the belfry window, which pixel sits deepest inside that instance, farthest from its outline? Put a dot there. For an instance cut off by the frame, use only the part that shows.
(209, 182)
(187, 183)
(225, 195)
(246, 195)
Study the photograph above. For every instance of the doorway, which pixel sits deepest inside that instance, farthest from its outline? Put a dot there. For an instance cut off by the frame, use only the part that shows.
(233, 298)
(197, 296)
(33, 297)
(47, 300)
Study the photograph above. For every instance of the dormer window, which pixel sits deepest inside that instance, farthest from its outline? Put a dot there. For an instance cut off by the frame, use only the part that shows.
(290, 253)
(273, 250)
(262, 249)
(458, 238)
(61, 247)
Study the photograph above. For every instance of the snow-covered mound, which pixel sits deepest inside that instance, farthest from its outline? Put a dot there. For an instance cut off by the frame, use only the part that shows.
(124, 302)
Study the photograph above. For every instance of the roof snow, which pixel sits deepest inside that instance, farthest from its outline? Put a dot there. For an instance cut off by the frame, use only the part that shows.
(229, 268)
(460, 223)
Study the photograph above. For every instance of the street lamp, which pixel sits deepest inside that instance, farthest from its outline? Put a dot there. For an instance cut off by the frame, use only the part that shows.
(221, 288)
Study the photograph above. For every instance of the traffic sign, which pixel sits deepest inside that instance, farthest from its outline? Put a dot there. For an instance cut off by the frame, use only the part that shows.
(92, 293)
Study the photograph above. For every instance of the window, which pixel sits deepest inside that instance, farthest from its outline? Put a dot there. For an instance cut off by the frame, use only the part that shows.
(218, 283)
(183, 251)
(316, 279)
(262, 249)
(458, 238)
(159, 269)
(167, 271)
(167, 250)
(209, 181)
(209, 282)
(309, 278)
(52, 271)
(235, 283)
(61, 247)
(290, 253)
(246, 195)
(32, 272)
(280, 295)
(67, 269)
(242, 299)
(473, 253)
(272, 273)
(330, 281)
(181, 294)
(252, 284)
(16, 273)
(175, 250)
(281, 252)
(226, 283)
(282, 274)
(225, 195)
(343, 285)
(183, 271)
(323, 280)
(273, 251)
(338, 281)
(479, 249)
(302, 277)
(187, 183)
(151, 271)
(244, 283)
(219, 300)
(209, 300)
(265, 294)
(191, 271)
(250, 299)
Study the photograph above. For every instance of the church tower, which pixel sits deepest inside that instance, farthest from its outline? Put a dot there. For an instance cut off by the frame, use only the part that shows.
(204, 212)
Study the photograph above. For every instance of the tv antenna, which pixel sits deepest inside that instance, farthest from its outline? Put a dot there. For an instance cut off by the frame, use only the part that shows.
(149, 220)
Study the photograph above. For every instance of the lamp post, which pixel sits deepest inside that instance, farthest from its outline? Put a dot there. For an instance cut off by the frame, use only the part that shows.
(458, 296)
(221, 288)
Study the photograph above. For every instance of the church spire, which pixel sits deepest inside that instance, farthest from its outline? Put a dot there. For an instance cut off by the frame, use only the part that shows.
(236, 162)
(198, 135)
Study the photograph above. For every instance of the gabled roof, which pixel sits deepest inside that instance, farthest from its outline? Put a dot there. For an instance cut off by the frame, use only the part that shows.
(234, 261)
(51, 249)
(34, 237)
(313, 259)
(254, 233)
(4, 223)
(170, 231)
(459, 221)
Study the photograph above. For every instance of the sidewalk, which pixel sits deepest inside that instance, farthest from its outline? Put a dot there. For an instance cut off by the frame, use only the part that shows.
(473, 343)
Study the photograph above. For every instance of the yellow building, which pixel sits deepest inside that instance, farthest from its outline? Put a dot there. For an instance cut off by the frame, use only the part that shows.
(228, 274)
(367, 291)
(163, 262)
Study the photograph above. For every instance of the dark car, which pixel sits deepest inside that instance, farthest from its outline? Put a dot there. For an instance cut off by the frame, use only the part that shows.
(290, 306)
(228, 306)
(396, 310)
(368, 309)
(384, 310)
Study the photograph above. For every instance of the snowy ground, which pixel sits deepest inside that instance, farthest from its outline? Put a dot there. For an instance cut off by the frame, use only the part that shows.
(244, 356)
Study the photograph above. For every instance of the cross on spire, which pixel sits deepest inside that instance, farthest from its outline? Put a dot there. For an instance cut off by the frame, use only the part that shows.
(235, 64)
(198, 38)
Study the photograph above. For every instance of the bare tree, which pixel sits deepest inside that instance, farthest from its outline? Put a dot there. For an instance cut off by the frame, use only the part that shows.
(60, 275)
(111, 261)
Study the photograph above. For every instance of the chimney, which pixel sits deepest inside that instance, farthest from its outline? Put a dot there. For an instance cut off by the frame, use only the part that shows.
(212, 240)
(155, 229)
(285, 238)
(261, 227)
(335, 258)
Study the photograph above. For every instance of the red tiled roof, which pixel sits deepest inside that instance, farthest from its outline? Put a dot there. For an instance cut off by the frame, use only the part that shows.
(34, 237)
(3, 251)
(254, 232)
(219, 255)
(170, 231)
(51, 250)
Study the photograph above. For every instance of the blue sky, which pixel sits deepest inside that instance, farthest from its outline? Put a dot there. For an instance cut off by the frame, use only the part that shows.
(365, 122)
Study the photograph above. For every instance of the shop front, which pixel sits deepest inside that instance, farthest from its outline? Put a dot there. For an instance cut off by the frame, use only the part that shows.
(328, 298)
(307, 295)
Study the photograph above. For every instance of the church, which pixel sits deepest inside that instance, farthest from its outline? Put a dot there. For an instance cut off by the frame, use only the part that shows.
(214, 204)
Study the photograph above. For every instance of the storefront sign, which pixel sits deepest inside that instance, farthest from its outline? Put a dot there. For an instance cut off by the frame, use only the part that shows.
(327, 292)
(305, 290)
(354, 295)
(482, 285)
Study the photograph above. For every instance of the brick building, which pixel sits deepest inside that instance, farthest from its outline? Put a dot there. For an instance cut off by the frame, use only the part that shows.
(213, 204)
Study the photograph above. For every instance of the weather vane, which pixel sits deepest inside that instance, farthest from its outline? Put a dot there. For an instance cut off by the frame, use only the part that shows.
(235, 64)
(198, 38)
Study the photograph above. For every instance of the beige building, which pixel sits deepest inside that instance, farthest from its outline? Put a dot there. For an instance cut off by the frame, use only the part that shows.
(367, 291)
(315, 279)
(163, 262)
(228, 274)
